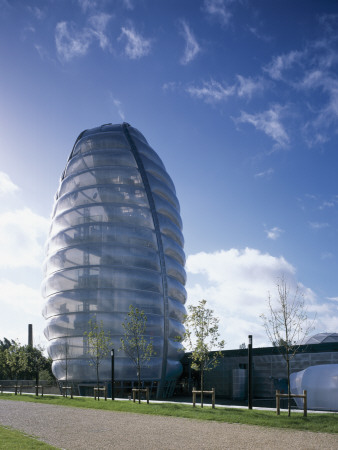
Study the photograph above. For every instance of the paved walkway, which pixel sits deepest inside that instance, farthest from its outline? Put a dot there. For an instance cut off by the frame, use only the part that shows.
(74, 428)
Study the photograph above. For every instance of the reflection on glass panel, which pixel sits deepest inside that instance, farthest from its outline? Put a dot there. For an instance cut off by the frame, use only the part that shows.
(115, 240)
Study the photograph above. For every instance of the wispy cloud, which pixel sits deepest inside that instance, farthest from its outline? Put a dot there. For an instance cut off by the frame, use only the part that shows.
(191, 46)
(118, 105)
(72, 42)
(265, 174)
(258, 35)
(218, 9)
(248, 86)
(99, 24)
(22, 237)
(274, 233)
(269, 122)
(318, 225)
(38, 13)
(129, 4)
(137, 46)
(326, 255)
(281, 63)
(88, 5)
(6, 185)
(211, 91)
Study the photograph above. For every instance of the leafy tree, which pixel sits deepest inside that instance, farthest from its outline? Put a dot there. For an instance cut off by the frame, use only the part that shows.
(134, 343)
(16, 360)
(201, 337)
(36, 362)
(4, 369)
(99, 345)
(286, 324)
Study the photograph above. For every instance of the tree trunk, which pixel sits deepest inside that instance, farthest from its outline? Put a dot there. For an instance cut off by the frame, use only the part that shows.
(202, 371)
(37, 383)
(289, 391)
(98, 381)
(139, 383)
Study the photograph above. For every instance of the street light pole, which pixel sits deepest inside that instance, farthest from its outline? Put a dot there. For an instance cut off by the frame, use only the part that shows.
(112, 374)
(250, 372)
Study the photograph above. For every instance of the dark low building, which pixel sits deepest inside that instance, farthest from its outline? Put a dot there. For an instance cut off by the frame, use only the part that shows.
(229, 378)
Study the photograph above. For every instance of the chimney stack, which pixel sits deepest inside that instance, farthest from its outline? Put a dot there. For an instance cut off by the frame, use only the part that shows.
(30, 335)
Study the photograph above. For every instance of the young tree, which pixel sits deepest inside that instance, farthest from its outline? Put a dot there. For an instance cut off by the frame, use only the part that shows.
(201, 337)
(286, 324)
(64, 351)
(134, 343)
(99, 345)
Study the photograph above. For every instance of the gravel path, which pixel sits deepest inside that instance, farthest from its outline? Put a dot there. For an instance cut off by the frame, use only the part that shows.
(74, 428)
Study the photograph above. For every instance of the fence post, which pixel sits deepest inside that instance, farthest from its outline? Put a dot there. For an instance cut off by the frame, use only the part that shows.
(213, 397)
(134, 395)
(193, 397)
(42, 391)
(147, 395)
(277, 403)
(305, 403)
(21, 389)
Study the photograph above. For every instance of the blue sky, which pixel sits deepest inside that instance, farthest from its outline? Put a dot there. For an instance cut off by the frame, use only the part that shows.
(240, 100)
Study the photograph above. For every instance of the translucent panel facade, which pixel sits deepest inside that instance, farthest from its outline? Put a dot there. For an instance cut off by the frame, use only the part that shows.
(115, 240)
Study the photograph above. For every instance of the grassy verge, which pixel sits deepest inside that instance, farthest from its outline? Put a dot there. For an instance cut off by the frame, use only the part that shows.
(326, 423)
(12, 439)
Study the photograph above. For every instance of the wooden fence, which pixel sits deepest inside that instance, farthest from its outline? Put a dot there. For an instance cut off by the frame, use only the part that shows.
(212, 392)
(279, 396)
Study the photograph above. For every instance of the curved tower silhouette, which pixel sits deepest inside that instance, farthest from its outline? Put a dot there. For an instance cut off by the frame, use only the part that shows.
(115, 240)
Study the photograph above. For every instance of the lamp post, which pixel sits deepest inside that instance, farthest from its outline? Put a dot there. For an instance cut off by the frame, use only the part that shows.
(112, 374)
(250, 372)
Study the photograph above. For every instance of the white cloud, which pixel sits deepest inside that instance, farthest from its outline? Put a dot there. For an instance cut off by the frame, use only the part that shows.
(118, 106)
(87, 5)
(274, 233)
(269, 122)
(265, 174)
(191, 46)
(211, 91)
(248, 86)
(6, 185)
(71, 42)
(99, 24)
(282, 63)
(318, 225)
(218, 9)
(171, 86)
(22, 237)
(38, 13)
(235, 284)
(137, 46)
(128, 4)
(20, 297)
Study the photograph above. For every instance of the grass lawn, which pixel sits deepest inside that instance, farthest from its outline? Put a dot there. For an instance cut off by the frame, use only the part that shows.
(12, 439)
(326, 423)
